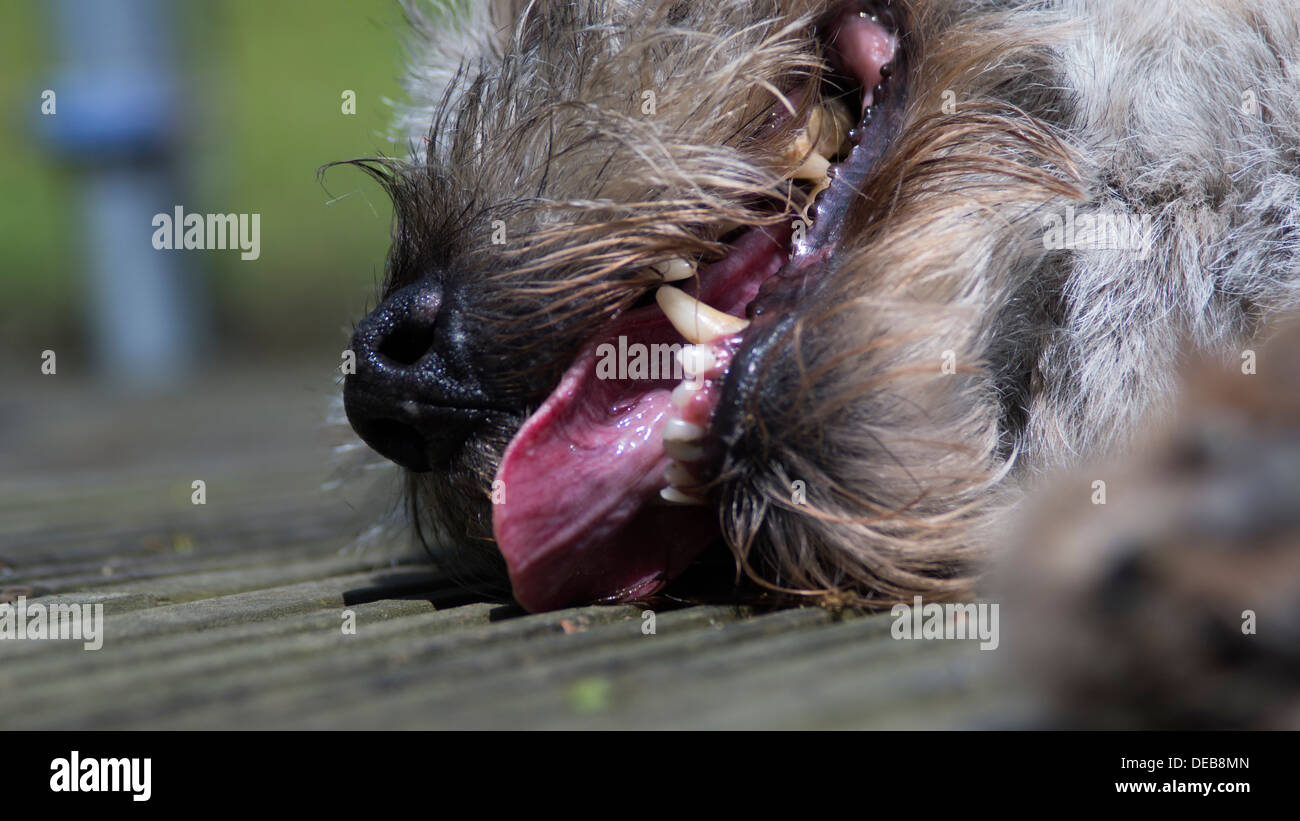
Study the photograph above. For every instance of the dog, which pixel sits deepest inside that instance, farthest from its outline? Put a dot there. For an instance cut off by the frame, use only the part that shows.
(831, 283)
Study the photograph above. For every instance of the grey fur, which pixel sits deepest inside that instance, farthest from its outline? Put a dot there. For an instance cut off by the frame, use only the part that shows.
(1182, 113)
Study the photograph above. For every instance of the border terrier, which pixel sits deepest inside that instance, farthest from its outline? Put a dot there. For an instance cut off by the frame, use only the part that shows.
(830, 284)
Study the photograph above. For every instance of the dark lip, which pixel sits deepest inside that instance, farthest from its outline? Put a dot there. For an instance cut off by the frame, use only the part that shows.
(381, 428)
(774, 311)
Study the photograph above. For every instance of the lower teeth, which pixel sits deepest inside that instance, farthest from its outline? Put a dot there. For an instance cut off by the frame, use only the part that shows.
(683, 451)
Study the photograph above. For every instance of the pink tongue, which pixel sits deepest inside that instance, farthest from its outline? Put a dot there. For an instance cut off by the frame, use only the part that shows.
(581, 519)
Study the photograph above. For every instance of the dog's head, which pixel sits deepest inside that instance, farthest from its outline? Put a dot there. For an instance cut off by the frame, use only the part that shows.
(673, 274)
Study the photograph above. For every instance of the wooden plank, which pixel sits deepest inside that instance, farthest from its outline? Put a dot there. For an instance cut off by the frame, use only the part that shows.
(231, 615)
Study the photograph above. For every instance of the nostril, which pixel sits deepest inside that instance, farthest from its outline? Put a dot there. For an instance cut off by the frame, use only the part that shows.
(408, 343)
(414, 397)
(407, 324)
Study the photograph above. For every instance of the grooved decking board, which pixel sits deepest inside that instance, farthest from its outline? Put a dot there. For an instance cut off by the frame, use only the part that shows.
(230, 615)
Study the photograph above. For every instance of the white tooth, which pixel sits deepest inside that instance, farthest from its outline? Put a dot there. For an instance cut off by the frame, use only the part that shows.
(674, 270)
(799, 147)
(696, 360)
(695, 320)
(684, 392)
(672, 494)
(829, 125)
(679, 430)
(683, 451)
(678, 475)
(825, 135)
(814, 168)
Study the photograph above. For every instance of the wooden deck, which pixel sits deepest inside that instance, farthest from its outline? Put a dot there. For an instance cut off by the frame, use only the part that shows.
(230, 614)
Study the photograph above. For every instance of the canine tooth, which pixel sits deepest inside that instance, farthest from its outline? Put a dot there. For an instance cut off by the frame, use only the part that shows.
(672, 494)
(695, 320)
(679, 430)
(683, 451)
(674, 270)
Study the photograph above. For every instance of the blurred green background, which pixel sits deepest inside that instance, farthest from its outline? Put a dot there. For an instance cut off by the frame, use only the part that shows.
(261, 84)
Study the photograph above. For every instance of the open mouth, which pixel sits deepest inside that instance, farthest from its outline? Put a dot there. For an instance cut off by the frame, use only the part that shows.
(603, 490)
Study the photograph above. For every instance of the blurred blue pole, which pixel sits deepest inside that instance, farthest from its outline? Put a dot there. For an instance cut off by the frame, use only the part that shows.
(116, 124)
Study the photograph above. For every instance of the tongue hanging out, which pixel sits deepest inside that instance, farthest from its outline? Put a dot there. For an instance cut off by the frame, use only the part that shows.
(583, 516)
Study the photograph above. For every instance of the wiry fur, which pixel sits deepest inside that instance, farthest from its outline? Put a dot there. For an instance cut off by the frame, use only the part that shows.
(1016, 110)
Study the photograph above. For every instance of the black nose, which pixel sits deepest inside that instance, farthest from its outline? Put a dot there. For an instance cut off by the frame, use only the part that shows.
(415, 396)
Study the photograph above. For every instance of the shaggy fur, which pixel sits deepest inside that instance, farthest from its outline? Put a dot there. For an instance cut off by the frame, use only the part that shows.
(946, 357)
(1176, 603)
